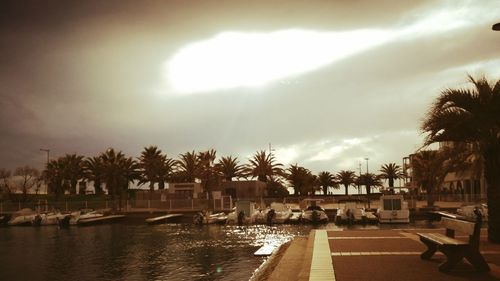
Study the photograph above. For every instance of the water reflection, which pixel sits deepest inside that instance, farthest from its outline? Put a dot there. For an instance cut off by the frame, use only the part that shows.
(141, 252)
(137, 252)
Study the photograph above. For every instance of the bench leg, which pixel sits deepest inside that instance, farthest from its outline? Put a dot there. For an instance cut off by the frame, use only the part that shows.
(453, 256)
(477, 260)
(431, 249)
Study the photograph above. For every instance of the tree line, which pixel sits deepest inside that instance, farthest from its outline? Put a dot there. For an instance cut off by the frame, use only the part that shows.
(114, 170)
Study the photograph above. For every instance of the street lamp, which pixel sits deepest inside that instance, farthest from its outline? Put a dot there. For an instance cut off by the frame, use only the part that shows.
(48, 152)
(367, 165)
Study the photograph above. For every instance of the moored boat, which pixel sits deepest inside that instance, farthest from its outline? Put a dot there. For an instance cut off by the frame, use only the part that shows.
(467, 211)
(350, 213)
(23, 217)
(393, 209)
(314, 213)
(242, 213)
(282, 212)
(50, 218)
(84, 214)
(207, 217)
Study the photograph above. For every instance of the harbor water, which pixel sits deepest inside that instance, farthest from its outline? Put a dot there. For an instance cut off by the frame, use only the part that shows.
(125, 251)
(128, 251)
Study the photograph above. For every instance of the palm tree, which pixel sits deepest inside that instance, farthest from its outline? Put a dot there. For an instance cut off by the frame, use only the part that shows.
(206, 170)
(229, 168)
(73, 170)
(118, 171)
(391, 172)
(346, 178)
(151, 163)
(263, 166)
(166, 172)
(54, 177)
(93, 171)
(472, 116)
(188, 167)
(301, 179)
(369, 180)
(429, 167)
(326, 180)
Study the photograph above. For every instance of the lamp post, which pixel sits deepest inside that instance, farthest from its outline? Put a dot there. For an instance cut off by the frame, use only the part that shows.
(367, 165)
(48, 152)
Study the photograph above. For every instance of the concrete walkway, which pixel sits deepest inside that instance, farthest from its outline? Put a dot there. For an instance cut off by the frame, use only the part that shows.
(373, 255)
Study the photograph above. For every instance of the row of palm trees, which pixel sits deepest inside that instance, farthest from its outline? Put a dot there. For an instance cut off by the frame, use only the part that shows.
(116, 171)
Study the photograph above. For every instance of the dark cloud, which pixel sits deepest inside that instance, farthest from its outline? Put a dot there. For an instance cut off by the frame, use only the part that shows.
(87, 75)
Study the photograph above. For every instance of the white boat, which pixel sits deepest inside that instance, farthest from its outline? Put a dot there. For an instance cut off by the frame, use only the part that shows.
(209, 218)
(50, 218)
(84, 214)
(296, 216)
(282, 212)
(467, 211)
(24, 216)
(393, 209)
(350, 213)
(314, 213)
(260, 216)
(242, 213)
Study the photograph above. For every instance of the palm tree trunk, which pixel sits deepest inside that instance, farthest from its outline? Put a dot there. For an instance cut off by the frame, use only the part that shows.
(161, 185)
(492, 162)
(430, 195)
(97, 187)
(346, 189)
(73, 187)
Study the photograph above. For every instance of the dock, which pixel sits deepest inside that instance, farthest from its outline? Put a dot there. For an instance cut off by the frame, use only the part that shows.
(162, 219)
(110, 218)
(373, 255)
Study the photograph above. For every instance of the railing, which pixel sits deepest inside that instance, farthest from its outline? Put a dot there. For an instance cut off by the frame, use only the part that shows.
(226, 203)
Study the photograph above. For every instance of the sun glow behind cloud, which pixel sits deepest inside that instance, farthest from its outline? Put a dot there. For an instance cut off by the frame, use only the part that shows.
(235, 59)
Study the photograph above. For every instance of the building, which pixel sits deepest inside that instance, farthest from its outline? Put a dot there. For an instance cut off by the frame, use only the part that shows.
(244, 189)
(184, 190)
(464, 184)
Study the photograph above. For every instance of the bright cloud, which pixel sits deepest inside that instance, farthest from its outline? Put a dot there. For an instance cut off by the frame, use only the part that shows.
(249, 59)
(235, 59)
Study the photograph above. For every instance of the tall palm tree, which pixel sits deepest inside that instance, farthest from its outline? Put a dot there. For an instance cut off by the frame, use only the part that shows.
(264, 166)
(118, 172)
(166, 172)
(346, 178)
(151, 163)
(206, 170)
(391, 172)
(326, 180)
(73, 170)
(472, 116)
(301, 179)
(54, 177)
(93, 171)
(369, 180)
(188, 166)
(229, 168)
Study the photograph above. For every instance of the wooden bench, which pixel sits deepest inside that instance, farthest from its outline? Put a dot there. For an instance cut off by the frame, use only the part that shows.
(455, 250)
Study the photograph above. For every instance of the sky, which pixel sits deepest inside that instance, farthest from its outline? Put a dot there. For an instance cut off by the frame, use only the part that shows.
(325, 83)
